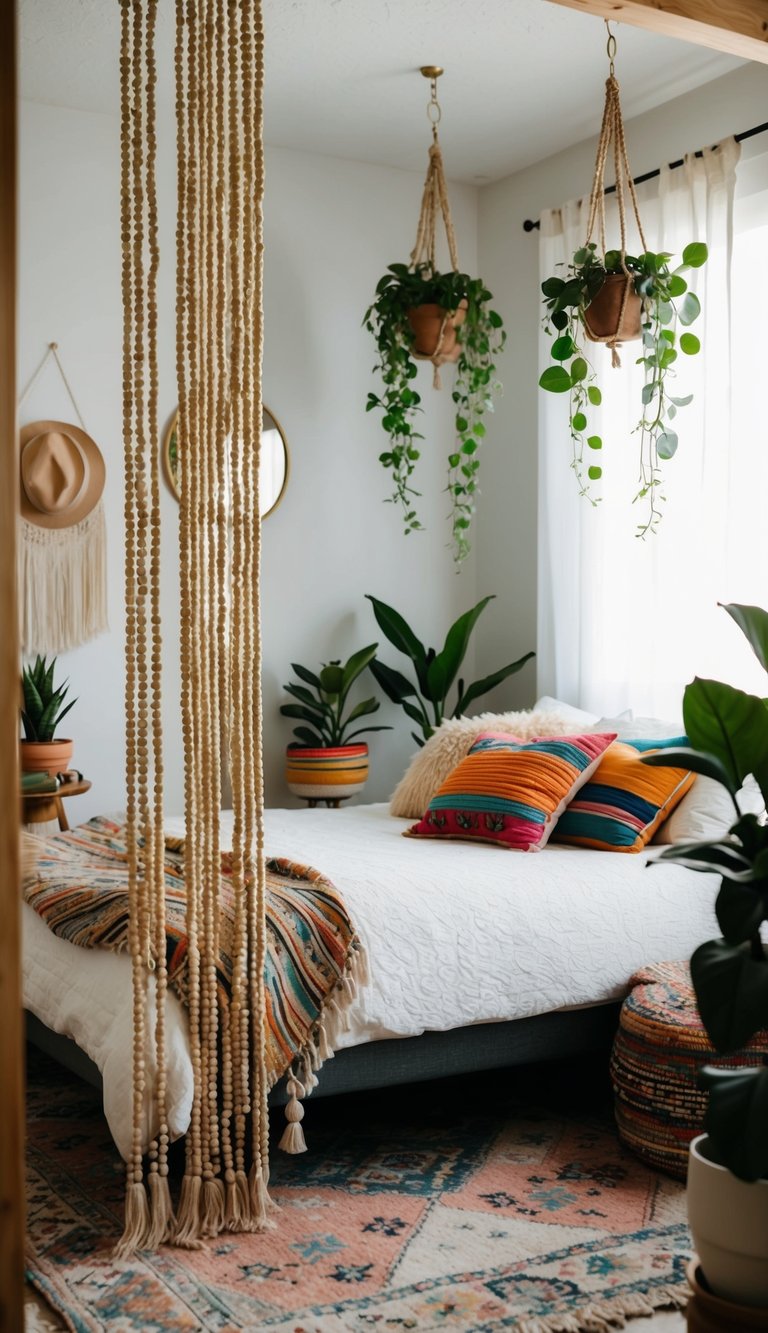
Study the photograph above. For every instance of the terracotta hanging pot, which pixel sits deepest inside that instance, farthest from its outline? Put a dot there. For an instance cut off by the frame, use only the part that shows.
(46, 756)
(429, 322)
(602, 317)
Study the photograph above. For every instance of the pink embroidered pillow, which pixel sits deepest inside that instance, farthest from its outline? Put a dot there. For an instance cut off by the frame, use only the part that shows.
(511, 792)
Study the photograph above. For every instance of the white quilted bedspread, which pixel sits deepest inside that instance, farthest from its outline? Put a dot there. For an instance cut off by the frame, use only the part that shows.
(456, 934)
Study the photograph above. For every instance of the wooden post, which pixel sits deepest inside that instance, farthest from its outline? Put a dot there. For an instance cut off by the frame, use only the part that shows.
(11, 1043)
(739, 27)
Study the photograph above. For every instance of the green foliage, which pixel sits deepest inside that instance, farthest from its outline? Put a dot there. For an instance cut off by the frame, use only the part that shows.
(728, 731)
(322, 699)
(43, 700)
(481, 337)
(666, 302)
(436, 672)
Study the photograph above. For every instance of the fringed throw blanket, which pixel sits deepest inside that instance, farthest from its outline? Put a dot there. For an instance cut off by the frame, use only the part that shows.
(78, 884)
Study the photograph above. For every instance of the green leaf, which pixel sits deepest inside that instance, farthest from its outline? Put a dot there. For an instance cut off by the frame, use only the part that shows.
(695, 254)
(666, 444)
(677, 285)
(558, 319)
(363, 709)
(480, 687)
(552, 286)
(396, 686)
(364, 731)
(307, 697)
(682, 402)
(399, 633)
(555, 380)
(454, 649)
(579, 369)
(690, 308)
(649, 391)
(357, 664)
(594, 473)
(712, 858)
(417, 715)
(731, 725)
(563, 348)
(594, 442)
(731, 991)
(689, 344)
(303, 674)
(594, 395)
(740, 907)
(303, 713)
(736, 1118)
(309, 738)
(753, 623)
(332, 678)
(578, 421)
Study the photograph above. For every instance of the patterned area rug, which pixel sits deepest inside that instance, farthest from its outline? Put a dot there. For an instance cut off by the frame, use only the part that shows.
(413, 1210)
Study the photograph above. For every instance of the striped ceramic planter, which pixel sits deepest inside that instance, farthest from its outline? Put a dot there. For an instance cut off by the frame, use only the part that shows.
(328, 774)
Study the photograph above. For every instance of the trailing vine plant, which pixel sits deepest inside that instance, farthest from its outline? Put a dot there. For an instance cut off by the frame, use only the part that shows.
(481, 337)
(666, 303)
(611, 296)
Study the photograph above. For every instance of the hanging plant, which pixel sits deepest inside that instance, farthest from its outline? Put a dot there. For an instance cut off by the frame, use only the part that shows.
(612, 297)
(419, 313)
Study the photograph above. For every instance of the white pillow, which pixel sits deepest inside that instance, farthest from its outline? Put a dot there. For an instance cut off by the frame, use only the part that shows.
(706, 812)
(577, 716)
(642, 728)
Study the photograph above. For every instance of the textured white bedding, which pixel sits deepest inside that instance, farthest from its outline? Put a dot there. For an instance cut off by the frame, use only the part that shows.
(456, 934)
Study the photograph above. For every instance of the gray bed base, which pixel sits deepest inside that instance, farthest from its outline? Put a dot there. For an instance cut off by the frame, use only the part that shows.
(552, 1036)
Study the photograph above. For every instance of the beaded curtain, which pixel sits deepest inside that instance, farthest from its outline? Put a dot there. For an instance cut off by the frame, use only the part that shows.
(218, 62)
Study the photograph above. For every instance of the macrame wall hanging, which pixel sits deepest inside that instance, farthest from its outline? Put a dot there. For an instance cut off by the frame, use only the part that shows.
(62, 541)
(219, 81)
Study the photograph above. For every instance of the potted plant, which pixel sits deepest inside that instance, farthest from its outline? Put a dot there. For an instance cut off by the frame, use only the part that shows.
(420, 313)
(322, 763)
(728, 1165)
(43, 710)
(615, 299)
(425, 702)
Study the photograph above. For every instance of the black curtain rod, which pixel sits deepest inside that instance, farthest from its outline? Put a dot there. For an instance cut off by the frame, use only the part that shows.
(529, 225)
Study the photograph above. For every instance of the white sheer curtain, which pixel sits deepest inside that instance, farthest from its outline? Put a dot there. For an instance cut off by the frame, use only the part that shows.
(627, 622)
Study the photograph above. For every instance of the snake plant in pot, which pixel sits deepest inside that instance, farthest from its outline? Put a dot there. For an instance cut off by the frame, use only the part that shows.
(614, 299)
(425, 700)
(326, 761)
(43, 710)
(418, 313)
(728, 1167)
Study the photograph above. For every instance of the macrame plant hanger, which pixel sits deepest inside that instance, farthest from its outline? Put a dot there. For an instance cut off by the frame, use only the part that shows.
(62, 572)
(434, 201)
(219, 323)
(612, 133)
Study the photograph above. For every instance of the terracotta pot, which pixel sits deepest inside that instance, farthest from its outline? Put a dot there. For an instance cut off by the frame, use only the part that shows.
(728, 1218)
(46, 756)
(601, 317)
(707, 1313)
(427, 322)
(327, 774)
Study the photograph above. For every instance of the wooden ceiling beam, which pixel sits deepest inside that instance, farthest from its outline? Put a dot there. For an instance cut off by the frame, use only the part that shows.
(738, 27)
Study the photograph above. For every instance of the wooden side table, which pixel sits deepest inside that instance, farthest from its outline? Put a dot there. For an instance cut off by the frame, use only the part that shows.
(41, 807)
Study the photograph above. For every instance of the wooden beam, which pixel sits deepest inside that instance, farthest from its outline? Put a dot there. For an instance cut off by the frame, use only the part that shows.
(11, 1047)
(738, 27)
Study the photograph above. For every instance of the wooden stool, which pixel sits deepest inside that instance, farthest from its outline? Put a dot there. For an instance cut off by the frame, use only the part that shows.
(44, 806)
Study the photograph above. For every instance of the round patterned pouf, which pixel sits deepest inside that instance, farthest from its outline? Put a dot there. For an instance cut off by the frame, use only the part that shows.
(659, 1049)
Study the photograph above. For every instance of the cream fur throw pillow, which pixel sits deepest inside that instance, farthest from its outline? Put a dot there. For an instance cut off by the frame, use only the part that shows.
(453, 740)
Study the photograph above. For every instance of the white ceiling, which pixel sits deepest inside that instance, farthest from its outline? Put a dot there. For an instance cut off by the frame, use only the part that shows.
(523, 78)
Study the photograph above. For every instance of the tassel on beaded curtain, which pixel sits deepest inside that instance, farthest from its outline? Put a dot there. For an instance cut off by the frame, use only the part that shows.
(219, 324)
(434, 201)
(612, 132)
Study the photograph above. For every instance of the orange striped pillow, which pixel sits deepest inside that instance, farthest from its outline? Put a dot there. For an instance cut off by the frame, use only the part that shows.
(623, 803)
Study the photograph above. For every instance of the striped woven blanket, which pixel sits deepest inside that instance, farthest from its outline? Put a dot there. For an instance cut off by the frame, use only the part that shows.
(314, 962)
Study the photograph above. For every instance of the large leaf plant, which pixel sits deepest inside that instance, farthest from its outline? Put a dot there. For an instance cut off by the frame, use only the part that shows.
(322, 701)
(425, 700)
(728, 731)
(44, 707)
(481, 337)
(666, 303)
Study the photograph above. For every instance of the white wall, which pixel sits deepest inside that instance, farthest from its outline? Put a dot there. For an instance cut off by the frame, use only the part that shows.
(331, 228)
(506, 546)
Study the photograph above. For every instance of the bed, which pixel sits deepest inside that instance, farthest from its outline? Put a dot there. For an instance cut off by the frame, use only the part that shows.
(478, 956)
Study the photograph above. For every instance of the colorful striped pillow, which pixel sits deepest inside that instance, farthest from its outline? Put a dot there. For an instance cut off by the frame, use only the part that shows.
(511, 792)
(621, 807)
